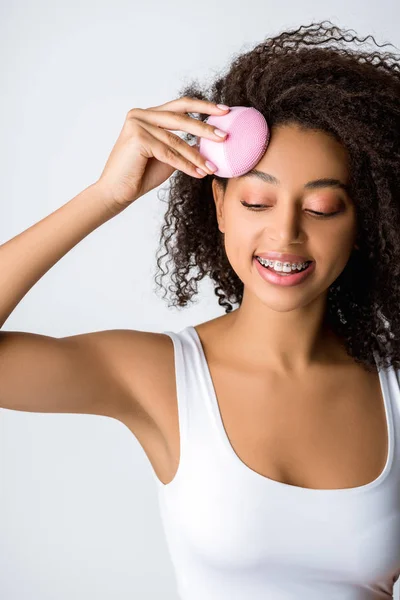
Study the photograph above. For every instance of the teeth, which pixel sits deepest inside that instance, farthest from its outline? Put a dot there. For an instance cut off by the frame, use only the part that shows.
(283, 267)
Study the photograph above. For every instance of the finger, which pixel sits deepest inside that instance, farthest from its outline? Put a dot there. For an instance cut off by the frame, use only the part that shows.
(175, 151)
(193, 105)
(176, 121)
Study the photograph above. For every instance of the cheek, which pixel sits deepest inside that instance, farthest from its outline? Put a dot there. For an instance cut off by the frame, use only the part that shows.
(334, 239)
(239, 234)
(335, 262)
(237, 249)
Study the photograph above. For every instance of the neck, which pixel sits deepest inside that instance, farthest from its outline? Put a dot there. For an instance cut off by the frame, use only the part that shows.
(286, 341)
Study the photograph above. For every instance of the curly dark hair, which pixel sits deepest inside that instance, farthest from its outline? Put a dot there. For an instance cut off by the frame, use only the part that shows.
(304, 76)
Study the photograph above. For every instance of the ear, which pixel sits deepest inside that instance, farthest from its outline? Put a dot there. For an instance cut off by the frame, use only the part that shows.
(218, 194)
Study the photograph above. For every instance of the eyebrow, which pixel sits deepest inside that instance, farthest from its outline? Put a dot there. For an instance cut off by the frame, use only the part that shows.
(310, 185)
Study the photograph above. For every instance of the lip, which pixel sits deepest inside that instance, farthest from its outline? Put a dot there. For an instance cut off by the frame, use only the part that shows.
(284, 280)
(283, 257)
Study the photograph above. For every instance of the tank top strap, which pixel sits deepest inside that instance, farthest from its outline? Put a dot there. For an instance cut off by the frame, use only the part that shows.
(195, 405)
(390, 385)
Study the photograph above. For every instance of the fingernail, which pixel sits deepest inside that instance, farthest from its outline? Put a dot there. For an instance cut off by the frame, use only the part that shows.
(210, 166)
(220, 133)
(223, 106)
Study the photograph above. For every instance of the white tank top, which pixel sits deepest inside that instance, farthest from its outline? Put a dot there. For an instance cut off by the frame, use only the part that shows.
(234, 534)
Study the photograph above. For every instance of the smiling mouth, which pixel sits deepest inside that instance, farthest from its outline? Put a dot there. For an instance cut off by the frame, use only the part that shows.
(264, 263)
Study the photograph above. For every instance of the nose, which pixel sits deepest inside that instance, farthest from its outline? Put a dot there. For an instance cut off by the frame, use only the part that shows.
(284, 226)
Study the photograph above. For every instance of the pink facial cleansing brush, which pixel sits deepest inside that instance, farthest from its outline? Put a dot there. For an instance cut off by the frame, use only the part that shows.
(246, 142)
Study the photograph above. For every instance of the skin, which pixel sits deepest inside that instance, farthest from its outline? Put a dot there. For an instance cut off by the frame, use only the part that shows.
(282, 327)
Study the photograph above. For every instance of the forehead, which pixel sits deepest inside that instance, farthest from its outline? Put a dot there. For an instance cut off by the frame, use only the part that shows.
(296, 156)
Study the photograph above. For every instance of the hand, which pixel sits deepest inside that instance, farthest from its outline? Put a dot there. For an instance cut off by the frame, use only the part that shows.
(146, 153)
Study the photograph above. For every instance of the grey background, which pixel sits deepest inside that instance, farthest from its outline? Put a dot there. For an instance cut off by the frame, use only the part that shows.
(78, 507)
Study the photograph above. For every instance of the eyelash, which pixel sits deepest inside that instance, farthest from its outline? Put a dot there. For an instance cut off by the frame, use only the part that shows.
(320, 215)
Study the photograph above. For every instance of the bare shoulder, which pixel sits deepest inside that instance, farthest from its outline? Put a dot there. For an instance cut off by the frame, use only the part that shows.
(146, 365)
(153, 413)
(138, 361)
(143, 362)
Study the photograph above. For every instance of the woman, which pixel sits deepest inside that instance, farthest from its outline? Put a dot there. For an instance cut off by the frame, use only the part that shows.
(273, 430)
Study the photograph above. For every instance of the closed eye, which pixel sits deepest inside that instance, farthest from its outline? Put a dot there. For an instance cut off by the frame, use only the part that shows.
(256, 207)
